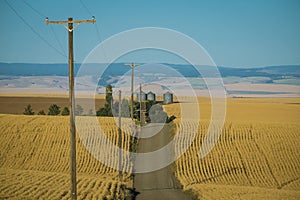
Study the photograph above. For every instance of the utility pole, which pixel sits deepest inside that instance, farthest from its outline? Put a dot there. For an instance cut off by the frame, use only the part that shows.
(120, 137)
(141, 107)
(132, 65)
(70, 29)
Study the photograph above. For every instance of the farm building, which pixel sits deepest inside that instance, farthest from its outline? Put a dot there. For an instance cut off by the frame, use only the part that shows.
(168, 98)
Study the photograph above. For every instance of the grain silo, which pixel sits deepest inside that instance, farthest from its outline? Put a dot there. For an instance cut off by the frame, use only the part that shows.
(168, 98)
(151, 96)
(144, 96)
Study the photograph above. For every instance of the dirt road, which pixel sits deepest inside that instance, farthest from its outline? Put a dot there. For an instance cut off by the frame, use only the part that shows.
(160, 184)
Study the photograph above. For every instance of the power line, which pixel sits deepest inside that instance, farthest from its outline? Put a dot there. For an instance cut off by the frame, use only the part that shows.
(96, 27)
(33, 30)
(35, 10)
(98, 33)
(44, 16)
(59, 43)
(86, 8)
(90, 13)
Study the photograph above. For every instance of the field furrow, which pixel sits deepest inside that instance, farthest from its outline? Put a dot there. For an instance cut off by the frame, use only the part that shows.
(34, 162)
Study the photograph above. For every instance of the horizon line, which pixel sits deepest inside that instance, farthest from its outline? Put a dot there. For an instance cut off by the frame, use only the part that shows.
(77, 63)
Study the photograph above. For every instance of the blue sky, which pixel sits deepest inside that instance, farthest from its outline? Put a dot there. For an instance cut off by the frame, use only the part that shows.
(235, 33)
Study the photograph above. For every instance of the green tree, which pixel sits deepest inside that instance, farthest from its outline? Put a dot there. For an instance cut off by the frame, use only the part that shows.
(108, 100)
(28, 110)
(54, 109)
(78, 110)
(65, 111)
(101, 112)
(107, 110)
(41, 112)
(108, 93)
(146, 105)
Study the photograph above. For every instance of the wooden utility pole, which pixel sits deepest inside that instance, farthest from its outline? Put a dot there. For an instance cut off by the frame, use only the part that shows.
(132, 65)
(120, 136)
(70, 29)
(141, 107)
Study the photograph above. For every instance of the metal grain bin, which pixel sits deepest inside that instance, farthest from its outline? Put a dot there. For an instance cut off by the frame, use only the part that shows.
(168, 98)
(151, 96)
(144, 96)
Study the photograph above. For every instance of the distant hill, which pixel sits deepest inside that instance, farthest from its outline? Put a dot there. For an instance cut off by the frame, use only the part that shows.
(118, 69)
(272, 74)
(269, 71)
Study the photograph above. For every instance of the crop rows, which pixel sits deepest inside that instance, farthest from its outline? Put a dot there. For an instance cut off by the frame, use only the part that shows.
(265, 155)
(34, 160)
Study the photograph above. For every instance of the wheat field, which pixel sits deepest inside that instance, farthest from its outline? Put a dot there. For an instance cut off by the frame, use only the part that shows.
(257, 155)
(249, 161)
(283, 110)
(34, 161)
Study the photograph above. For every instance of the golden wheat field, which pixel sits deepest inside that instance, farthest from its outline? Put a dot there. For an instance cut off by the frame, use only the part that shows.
(34, 161)
(257, 155)
(249, 161)
(247, 110)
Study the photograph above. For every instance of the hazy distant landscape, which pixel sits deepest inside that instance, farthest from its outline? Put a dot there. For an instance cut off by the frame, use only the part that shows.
(280, 81)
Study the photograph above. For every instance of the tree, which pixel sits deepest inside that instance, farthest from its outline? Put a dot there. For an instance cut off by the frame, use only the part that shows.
(108, 100)
(157, 114)
(136, 108)
(107, 110)
(65, 111)
(78, 110)
(108, 94)
(41, 112)
(101, 112)
(54, 109)
(28, 110)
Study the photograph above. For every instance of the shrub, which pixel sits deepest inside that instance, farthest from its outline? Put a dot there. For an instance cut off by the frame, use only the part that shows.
(170, 119)
(101, 112)
(41, 112)
(28, 110)
(65, 111)
(54, 109)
